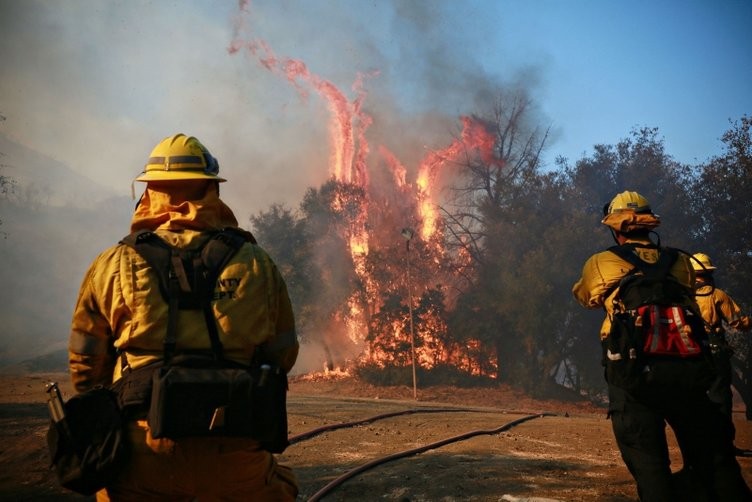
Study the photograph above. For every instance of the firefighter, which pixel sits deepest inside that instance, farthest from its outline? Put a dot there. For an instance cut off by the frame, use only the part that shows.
(121, 316)
(638, 417)
(718, 310)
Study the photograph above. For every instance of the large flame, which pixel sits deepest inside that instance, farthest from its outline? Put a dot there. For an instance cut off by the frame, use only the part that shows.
(348, 164)
(476, 137)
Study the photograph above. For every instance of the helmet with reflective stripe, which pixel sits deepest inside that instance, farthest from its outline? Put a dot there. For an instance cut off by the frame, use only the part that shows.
(701, 262)
(629, 212)
(628, 201)
(180, 157)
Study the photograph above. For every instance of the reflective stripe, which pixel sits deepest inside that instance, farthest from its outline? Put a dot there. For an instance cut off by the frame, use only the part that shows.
(185, 159)
(200, 162)
(676, 315)
(82, 343)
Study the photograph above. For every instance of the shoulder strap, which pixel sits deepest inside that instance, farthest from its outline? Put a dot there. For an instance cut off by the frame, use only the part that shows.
(659, 269)
(651, 283)
(157, 254)
(215, 255)
(174, 282)
(220, 249)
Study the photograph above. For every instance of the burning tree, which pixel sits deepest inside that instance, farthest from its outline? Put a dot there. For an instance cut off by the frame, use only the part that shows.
(357, 283)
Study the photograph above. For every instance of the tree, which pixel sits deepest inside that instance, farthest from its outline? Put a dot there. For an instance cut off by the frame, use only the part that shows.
(637, 163)
(723, 199)
(484, 184)
(724, 216)
(389, 333)
(487, 218)
(338, 292)
(284, 236)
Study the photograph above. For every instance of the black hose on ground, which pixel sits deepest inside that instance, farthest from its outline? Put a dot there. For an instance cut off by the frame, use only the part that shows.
(343, 425)
(406, 453)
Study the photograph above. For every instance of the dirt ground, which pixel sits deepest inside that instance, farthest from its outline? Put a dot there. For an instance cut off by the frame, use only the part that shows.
(448, 445)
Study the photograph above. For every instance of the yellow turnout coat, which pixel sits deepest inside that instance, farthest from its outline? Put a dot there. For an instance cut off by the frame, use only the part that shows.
(120, 308)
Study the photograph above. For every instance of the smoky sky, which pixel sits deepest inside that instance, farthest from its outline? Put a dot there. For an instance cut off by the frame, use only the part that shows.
(95, 86)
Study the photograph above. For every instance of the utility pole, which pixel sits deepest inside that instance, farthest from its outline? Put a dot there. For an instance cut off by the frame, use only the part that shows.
(408, 235)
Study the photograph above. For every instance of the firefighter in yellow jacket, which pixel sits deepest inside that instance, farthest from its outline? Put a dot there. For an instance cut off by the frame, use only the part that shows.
(718, 310)
(638, 416)
(121, 319)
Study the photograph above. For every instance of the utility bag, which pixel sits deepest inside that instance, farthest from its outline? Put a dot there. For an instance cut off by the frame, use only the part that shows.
(655, 318)
(86, 439)
(197, 396)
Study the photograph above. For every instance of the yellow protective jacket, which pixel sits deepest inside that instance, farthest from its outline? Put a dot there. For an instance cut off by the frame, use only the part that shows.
(120, 307)
(717, 307)
(602, 272)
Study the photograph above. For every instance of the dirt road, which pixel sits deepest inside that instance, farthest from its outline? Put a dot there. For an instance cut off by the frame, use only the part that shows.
(567, 456)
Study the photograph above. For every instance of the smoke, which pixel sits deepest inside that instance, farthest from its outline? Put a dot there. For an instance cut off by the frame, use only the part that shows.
(95, 86)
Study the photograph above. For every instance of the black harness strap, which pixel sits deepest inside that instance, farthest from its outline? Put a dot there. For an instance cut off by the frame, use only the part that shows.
(187, 278)
(660, 268)
(656, 284)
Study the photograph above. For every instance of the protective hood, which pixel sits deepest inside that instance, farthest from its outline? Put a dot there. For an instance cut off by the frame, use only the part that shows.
(629, 221)
(180, 209)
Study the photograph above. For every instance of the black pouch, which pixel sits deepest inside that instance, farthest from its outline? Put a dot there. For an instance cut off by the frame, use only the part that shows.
(210, 401)
(88, 446)
(622, 354)
(133, 389)
(678, 375)
(200, 402)
(270, 404)
(721, 353)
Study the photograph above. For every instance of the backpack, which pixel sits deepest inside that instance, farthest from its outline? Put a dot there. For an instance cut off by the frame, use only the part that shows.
(655, 319)
(193, 394)
(187, 276)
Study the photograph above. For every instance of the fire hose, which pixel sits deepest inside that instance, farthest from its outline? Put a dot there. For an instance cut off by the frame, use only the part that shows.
(343, 425)
(414, 451)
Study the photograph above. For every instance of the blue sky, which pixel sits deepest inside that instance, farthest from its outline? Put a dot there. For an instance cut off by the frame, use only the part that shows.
(96, 84)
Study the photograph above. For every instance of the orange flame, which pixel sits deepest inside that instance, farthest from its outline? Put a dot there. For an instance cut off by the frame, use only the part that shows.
(475, 136)
(349, 150)
(395, 166)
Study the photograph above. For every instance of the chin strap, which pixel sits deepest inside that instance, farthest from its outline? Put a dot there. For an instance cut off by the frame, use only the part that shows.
(613, 235)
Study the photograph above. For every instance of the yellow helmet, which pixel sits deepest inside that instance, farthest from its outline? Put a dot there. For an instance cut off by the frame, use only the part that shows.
(628, 201)
(629, 212)
(180, 157)
(701, 262)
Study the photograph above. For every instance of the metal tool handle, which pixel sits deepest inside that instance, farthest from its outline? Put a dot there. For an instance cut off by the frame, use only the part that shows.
(55, 402)
(265, 369)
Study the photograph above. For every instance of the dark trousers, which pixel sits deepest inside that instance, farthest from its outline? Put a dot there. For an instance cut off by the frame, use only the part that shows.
(720, 389)
(639, 421)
